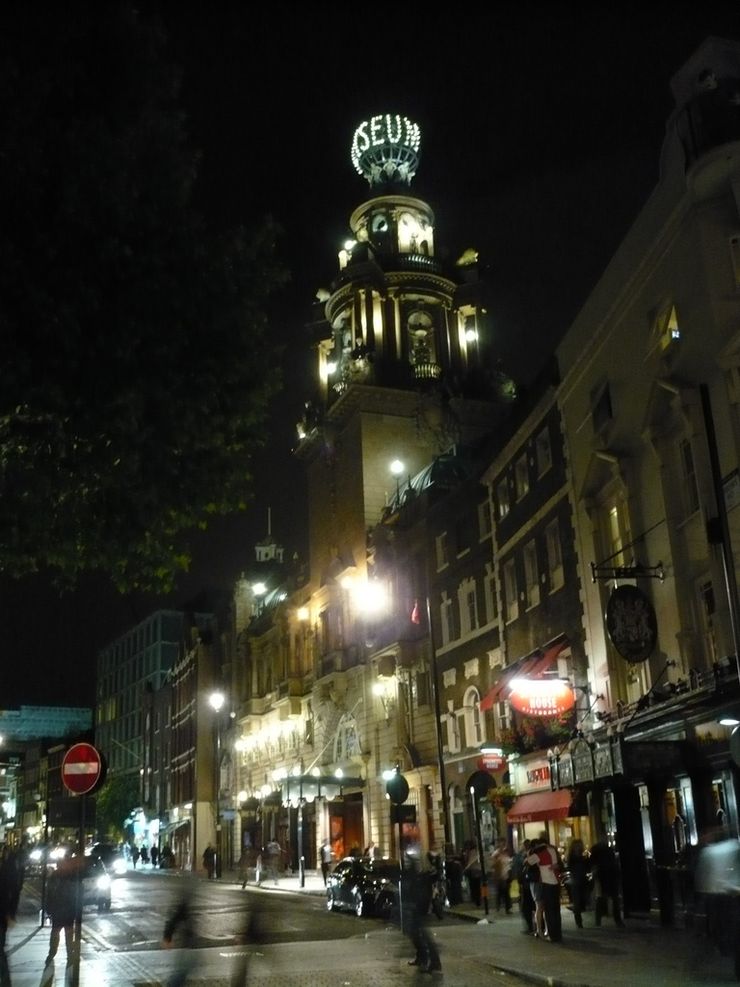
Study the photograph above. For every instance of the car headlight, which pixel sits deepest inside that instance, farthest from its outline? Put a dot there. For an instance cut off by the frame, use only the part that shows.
(103, 882)
(119, 866)
(35, 854)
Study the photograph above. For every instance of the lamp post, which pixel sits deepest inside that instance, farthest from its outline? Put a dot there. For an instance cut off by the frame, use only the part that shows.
(216, 701)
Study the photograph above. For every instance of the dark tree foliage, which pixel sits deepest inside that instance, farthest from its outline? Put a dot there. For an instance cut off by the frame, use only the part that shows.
(136, 363)
(114, 803)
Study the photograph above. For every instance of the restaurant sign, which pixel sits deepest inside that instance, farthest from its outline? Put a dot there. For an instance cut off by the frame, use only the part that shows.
(541, 697)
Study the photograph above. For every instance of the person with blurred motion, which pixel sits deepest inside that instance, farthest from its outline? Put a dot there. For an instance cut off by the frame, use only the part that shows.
(717, 882)
(606, 882)
(415, 900)
(64, 907)
(326, 856)
(578, 865)
(519, 873)
(11, 881)
(209, 861)
(179, 933)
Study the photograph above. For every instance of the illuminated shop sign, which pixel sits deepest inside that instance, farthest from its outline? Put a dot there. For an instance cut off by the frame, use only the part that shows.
(386, 147)
(541, 697)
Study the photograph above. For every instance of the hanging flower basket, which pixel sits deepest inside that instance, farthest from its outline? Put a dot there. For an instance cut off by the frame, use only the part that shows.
(502, 797)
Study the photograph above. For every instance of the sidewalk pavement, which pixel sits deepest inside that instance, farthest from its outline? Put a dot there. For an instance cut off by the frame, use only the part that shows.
(643, 953)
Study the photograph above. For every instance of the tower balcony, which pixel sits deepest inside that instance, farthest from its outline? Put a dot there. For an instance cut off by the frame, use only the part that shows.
(427, 371)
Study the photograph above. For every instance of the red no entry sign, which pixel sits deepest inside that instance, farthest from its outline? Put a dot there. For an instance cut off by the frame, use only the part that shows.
(82, 767)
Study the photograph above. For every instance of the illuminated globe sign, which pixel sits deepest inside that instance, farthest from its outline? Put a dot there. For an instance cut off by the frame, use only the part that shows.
(385, 148)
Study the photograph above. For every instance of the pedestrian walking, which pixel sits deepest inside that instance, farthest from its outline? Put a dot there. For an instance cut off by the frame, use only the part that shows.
(64, 908)
(209, 861)
(11, 881)
(154, 855)
(326, 855)
(179, 933)
(578, 865)
(606, 882)
(135, 854)
(473, 872)
(546, 891)
(501, 874)
(273, 853)
(519, 872)
(415, 896)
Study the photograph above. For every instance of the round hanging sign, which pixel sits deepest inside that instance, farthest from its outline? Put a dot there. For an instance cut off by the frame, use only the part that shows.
(631, 623)
(541, 697)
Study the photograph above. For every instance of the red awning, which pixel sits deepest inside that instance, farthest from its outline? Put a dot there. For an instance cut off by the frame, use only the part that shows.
(530, 666)
(538, 806)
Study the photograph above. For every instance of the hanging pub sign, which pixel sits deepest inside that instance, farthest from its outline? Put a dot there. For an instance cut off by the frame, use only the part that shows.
(631, 623)
(541, 697)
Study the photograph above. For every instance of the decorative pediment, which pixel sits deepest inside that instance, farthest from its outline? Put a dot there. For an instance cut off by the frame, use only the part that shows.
(604, 469)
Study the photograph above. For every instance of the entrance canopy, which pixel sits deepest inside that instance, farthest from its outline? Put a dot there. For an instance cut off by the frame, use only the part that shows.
(540, 806)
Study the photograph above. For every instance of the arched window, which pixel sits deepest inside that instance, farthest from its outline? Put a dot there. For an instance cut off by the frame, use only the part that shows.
(474, 726)
(346, 739)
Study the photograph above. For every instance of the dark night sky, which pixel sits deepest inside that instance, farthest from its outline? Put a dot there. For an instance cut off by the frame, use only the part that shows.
(541, 129)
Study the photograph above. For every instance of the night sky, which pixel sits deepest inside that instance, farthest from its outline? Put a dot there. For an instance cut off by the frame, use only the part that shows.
(541, 130)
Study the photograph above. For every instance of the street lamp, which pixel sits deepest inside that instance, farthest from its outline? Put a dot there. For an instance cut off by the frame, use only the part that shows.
(216, 701)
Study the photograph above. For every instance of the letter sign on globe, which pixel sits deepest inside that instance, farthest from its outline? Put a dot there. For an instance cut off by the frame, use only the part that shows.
(82, 769)
(541, 697)
(385, 148)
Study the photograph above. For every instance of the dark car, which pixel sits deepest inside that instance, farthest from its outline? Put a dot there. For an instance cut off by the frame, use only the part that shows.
(112, 856)
(96, 884)
(364, 885)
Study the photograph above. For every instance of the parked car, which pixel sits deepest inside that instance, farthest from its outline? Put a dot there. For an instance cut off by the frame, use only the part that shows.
(112, 856)
(364, 885)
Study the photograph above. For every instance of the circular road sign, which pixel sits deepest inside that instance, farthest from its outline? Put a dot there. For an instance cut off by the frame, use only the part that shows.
(82, 769)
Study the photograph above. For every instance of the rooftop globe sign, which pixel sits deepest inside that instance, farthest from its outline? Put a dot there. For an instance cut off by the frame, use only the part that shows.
(385, 148)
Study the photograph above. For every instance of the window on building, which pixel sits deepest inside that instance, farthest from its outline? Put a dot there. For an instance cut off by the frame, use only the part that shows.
(521, 476)
(602, 413)
(473, 718)
(485, 525)
(502, 495)
(554, 555)
(489, 589)
(708, 618)
(422, 687)
(502, 718)
(543, 451)
(442, 550)
(511, 600)
(453, 734)
(688, 478)
(531, 574)
(468, 606)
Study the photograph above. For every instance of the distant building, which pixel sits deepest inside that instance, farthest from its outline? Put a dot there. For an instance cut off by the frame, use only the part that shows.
(35, 722)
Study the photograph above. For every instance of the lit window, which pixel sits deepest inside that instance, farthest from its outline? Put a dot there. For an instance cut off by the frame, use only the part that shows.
(502, 494)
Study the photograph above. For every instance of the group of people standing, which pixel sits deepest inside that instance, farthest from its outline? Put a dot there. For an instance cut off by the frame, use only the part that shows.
(540, 872)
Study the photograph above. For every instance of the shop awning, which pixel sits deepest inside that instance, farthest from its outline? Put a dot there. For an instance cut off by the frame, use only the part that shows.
(539, 806)
(531, 666)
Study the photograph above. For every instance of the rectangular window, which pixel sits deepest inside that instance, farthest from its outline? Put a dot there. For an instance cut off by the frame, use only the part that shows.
(502, 718)
(445, 612)
(471, 609)
(521, 477)
(531, 574)
(543, 452)
(511, 602)
(484, 520)
(688, 476)
(554, 555)
(601, 408)
(422, 688)
(453, 734)
(442, 551)
(489, 586)
(502, 495)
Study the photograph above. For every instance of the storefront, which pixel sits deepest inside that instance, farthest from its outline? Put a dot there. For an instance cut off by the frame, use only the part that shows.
(562, 813)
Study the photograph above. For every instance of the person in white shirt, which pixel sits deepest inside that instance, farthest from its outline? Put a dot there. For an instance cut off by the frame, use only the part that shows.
(546, 892)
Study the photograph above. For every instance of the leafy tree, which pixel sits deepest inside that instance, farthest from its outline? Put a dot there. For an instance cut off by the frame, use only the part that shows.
(136, 363)
(114, 802)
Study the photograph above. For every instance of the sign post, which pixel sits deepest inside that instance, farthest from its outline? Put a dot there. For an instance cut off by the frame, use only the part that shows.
(83, 772)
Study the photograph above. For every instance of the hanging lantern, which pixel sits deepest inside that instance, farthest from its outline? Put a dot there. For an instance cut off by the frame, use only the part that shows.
(541, 697)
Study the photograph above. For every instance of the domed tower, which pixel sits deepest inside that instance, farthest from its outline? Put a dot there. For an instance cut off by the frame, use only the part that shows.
(394, 315)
